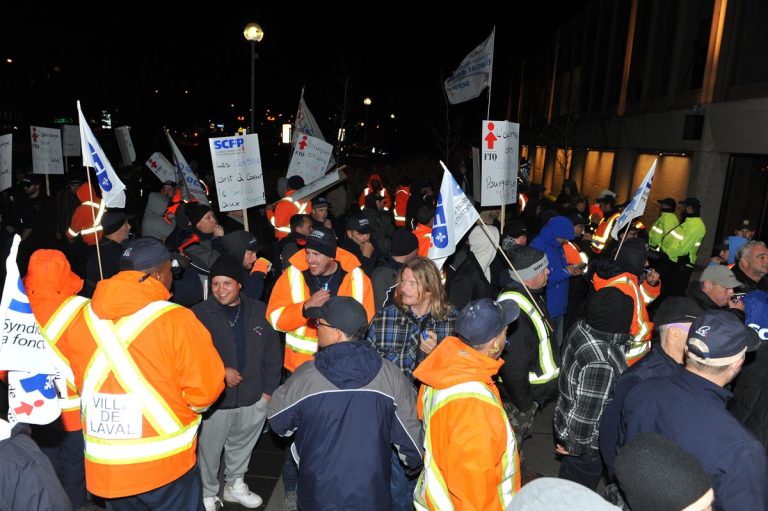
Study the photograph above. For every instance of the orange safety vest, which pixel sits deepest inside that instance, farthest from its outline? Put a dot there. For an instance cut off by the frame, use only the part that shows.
(284, 209)
(573, 255)
(285, 310)
(86, 219)
(144, 377)
(642, 326)
(423, 233)
(368, 189)
(402, 194)
(603, 233)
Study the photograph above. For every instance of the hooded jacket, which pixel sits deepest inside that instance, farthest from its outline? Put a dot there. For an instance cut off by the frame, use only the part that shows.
(468, 438)
(153, 222)
(285, 310)
(50, 282)
(175, 356)
(348, 408)
(557, 285)
(383, 192)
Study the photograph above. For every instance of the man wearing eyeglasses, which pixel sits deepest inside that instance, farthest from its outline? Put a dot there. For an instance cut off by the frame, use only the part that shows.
(672, 321)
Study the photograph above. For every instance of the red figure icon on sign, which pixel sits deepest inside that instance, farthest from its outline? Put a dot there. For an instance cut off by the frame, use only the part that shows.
(153, 164)
(303, 143)
(490, 137)
(26, 408)
(35, 136)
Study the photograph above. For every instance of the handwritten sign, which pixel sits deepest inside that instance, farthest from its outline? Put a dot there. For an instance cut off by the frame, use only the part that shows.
(310, 158)
(161, 167)
(70, 136)
(128, 153)
(237, 169)
(320, 185)
(500, 142)
(6, 152)
(46, 151)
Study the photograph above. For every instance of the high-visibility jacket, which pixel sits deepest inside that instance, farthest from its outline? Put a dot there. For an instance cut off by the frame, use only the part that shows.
(402, 194)
(642, 326)
(285, 208)
(51, 286)
(665, 223)
(470, 453)
(423, 233)
(145, 369)
(685, 239)
(595, 213)
(86, 220)
(573, 255)
(285, 310)
(547, 366)
(369, 189)
(602, 235)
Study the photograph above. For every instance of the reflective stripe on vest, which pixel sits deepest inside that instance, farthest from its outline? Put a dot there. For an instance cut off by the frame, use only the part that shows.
(96, 227)
(600, 240)
(112, 357)
(283, 228)
(547, 366)
(431, 482)
(52, 331)
(638, 346)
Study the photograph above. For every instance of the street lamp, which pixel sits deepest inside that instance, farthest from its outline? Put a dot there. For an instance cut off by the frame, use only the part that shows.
(367, 102)
(254, 34)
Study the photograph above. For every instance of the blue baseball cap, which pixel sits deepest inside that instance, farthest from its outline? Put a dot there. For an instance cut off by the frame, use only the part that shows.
(718, 338)
(482, 320)
(143, 253)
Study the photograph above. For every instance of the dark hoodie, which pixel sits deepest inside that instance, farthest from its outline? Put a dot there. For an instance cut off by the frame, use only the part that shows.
(348, 407)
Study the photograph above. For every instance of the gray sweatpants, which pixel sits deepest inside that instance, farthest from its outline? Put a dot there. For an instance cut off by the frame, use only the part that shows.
(235, 431)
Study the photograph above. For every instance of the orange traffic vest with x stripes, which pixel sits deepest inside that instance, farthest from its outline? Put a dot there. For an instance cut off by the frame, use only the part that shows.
(285, 208)
(285, 310)
(86, 219)
(602, 235)
(641, 295)
(402, 194)
(146, 369)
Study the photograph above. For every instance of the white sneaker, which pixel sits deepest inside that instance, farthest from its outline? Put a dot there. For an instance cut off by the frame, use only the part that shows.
(212, 503)
(238, 492)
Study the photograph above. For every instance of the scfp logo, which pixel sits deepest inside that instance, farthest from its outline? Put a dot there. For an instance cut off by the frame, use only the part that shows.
(228, 143)
(101, 171)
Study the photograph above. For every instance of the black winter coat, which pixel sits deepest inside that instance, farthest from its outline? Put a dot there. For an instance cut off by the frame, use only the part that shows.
(750, 394)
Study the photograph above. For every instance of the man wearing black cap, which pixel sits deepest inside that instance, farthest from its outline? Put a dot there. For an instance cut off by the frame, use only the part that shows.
(666, 222)
(689, 407)
(471, 452)
(115, 231)
(358, 242)
(145, 370)
(33, 217)
(285, 208)
(244, 247)
(681, 245)
(250, 350)
(403, 248)
(602, 237)
(592, 361)
(672, 321)
(320, 207)
(348, 408)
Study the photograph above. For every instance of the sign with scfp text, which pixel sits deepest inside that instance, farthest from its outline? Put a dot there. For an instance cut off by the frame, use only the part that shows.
(237, 169)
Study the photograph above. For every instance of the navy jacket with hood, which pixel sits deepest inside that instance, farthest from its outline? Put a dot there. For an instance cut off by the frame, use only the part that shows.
(347, 407)
(557, 285)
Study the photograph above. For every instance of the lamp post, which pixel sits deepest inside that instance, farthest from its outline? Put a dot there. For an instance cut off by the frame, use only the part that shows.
(254, 34)
(367, 102)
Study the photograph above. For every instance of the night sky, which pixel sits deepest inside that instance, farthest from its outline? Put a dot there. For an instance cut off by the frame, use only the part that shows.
(390, 55)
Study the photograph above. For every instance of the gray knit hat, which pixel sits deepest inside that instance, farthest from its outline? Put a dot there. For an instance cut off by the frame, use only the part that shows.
(656, 474)
(529, 262)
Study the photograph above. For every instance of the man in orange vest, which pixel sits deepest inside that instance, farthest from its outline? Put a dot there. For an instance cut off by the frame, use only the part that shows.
(402, 194)
(423, 231)
(52, 288)
(285, 208)
(602, 236)
(86, 220)
(375, 186)
(145, 369)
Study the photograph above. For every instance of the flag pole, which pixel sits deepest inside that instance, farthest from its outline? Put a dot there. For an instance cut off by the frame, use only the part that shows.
(512, 266)
(626, 231)
(490, 74)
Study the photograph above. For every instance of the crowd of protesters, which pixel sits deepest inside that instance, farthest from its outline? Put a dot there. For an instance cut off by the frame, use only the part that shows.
(399, 384)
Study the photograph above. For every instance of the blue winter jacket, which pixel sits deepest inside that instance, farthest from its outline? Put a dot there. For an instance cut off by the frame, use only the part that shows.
(348, 407)
(557, 285)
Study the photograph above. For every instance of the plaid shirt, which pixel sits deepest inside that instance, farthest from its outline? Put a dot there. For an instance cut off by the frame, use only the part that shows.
(592, 362)
(395, 334)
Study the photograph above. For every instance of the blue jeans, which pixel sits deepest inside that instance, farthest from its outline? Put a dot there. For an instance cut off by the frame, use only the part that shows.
(183, 494)
(402, 486)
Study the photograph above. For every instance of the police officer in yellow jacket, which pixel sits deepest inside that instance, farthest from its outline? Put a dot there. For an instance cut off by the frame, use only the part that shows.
(664, 224)
(681, 246)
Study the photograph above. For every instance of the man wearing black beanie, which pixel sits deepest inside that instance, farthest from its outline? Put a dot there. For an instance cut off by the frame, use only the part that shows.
(592, 361)
(250, 350)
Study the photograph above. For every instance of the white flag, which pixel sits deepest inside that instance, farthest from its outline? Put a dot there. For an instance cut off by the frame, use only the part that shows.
(305, 124)
(636, 206)
(191, 184)
(33, 376)
(454, 216)
(472, 75)
(112, 189)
